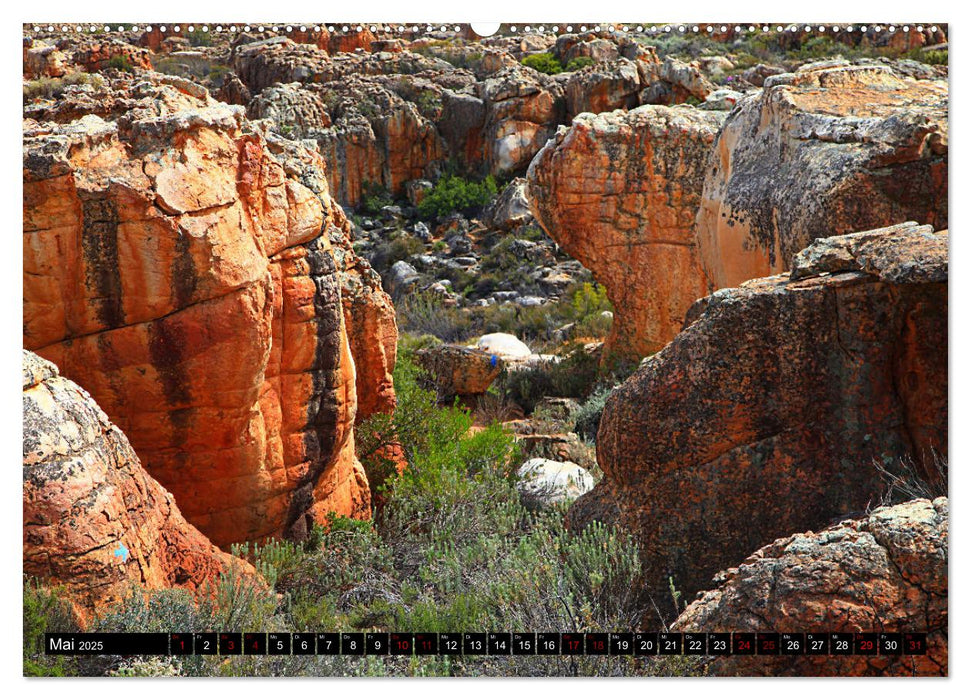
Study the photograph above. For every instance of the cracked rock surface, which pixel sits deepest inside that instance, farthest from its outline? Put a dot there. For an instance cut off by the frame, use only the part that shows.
(883, 572)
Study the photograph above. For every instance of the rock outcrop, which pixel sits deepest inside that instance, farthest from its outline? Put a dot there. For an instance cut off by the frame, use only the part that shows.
(185, 274)
(459, 371)
(94, 520)
(830, 149)
(665, 205)
(885, 572)
(619, 192)
(766, 415)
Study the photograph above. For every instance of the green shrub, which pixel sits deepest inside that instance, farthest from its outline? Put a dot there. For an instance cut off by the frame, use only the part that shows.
(453, 193)
(937, 57)
(587, 417)
(429, 103)
(200, 38)
(543, 62)
(374, 196)
(45, 610)
(121, 63)
(387, 253)
(578, 63)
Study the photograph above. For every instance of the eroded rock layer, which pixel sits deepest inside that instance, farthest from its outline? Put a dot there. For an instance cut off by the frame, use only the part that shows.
(177, 267)
(768, 414)
(94, 520)
(884, 572)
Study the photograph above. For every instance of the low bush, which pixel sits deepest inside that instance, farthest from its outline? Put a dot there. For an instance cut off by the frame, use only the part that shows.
(52, 88)
(453, 193)
(424, 313)
(374, 196)
(121, 63)
(388, 252)
(543, 62)
(578, 63)
(45, 610)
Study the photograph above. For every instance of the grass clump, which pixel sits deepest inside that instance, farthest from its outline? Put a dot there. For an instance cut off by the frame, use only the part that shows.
(53, 88)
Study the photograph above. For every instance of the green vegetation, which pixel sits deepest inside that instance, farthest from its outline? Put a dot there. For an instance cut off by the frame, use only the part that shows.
(429, 103)
(121, 63)
(53, 88)
(547, 63)
(200, 38)
(451, 548)
(45, 610)
(397, 247)
(581, 308)
(374, 196)
(453, 193)
(543, 62)
(577, 63)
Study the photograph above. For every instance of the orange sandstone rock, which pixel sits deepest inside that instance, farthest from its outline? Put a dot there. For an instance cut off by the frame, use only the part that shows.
(619, 192)
(828, 150)
(885, 572)
(175, 269)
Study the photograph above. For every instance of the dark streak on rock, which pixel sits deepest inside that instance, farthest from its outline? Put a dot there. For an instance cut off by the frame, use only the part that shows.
(99, 243)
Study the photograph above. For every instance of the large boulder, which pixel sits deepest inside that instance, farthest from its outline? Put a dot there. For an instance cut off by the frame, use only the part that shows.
(95, 522)
(884, 572)
(619, 192)
(504, 345)
(603, 87)
(543, 482)
(768, 414)
(830, 149)
(177, 266)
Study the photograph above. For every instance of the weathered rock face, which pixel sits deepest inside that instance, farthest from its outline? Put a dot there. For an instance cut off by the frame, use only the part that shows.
(523, 108)
(603, 87)
(43, 60)
(883, 572)
(765, 416)
(619, 192)
(377, 138)
(369, 316)
(179, 270)
(94, 520)
(459, 371)
(828, 150)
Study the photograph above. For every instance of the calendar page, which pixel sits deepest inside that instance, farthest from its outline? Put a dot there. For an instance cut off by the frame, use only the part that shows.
(448, 349)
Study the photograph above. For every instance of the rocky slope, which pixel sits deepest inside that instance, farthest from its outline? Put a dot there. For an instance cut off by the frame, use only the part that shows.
(194, 275)
(886, 571)
(94, 520)
(619, 192)
(766, 414)
(388, 117)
